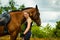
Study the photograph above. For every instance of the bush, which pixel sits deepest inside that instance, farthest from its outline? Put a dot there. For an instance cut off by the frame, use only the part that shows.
(43, 32)
(57, 31)
(37, 32)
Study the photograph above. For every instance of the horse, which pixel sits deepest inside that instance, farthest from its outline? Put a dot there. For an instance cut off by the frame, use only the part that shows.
(17, 19)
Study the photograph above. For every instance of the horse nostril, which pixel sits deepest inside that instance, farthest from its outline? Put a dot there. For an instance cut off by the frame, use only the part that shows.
(38, 24)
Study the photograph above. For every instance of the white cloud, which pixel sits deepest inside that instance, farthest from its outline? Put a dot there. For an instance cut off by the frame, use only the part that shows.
(49, 16)
(54, 3)
(4, 2)
(27, 3)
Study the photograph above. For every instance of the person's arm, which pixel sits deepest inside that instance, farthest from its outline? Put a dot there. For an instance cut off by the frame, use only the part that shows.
(28, 26)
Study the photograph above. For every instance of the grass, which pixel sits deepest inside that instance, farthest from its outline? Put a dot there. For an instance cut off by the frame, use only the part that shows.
(8, 38)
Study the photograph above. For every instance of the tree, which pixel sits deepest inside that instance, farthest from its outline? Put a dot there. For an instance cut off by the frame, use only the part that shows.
(21, 7)
(48, 31)
(42, 32)
(36, 31)
(1, 9)
(11, 7)
(57, 31)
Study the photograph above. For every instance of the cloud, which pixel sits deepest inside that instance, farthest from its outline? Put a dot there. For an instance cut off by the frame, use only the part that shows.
(44, 5)
(48, 5)
(27, 3)
(4, 2)
(49, 16)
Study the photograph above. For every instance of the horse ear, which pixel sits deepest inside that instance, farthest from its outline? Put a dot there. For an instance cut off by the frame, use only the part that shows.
(36, 7)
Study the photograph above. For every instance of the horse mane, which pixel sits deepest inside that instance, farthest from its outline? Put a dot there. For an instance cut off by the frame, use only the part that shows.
(26, 8)
(14, 10)
(21, 10)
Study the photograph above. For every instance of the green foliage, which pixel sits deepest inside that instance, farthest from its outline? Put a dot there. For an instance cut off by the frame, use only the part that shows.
(57, 31)
(10, 7)
(37, 32)
(21, 7)
(43, 32)
(1, 9)
(58, 25)
(23, 27)
(47, 29)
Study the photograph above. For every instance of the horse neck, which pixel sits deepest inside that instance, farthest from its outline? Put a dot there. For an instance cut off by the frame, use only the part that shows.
(18, 16)
(21, 18)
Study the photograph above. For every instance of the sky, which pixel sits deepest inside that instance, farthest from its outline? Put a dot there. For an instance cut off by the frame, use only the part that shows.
(49, 9)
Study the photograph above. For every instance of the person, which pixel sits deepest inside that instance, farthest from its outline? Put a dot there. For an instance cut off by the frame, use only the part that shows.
(28, 23)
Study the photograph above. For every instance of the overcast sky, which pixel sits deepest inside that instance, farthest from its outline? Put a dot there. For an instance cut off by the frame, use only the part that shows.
(49, 9)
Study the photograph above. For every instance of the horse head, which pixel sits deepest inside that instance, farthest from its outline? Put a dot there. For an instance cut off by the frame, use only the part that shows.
(34, 14)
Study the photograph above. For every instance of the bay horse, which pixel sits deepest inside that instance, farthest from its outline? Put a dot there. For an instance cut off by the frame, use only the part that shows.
(17, 19)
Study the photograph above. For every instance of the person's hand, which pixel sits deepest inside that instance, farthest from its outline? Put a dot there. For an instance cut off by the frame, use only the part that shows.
(22, 35)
